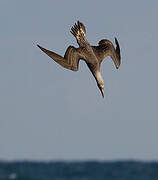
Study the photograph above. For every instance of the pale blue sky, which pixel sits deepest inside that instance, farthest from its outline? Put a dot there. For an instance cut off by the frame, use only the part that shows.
(47, 112)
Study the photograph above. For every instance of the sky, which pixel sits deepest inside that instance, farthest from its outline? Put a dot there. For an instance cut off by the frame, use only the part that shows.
(51, 113)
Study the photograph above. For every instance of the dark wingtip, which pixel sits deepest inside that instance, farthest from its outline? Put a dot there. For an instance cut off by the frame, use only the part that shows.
(116, 41)
(39, 46)
(78, 22)
(117, 49)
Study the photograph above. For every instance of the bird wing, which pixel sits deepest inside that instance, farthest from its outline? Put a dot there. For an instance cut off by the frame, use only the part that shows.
(79, 31)
(70, 59)
(108, 49)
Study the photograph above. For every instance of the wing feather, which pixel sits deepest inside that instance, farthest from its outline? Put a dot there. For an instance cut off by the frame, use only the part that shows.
(106, 48)
(70, 59)
(79, 31)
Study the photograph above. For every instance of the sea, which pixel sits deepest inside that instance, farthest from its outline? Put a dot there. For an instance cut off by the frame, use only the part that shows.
(85, 170)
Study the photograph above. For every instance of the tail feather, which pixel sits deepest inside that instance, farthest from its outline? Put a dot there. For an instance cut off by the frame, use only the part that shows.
(79, 31)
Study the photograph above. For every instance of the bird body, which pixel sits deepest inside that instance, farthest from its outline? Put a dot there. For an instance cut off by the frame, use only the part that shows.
(92, 55)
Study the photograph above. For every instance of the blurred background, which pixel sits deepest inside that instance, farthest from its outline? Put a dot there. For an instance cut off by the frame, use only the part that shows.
(49, 113)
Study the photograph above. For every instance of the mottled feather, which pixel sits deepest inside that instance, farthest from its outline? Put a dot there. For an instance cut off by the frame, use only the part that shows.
(92, 55)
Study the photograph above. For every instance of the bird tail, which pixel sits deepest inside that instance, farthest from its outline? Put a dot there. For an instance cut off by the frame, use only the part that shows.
(79, 31)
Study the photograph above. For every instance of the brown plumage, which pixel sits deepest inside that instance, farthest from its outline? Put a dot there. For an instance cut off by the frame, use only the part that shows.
(92, 55)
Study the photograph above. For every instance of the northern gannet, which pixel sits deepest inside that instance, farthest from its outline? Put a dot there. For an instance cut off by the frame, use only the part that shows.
(92, 55)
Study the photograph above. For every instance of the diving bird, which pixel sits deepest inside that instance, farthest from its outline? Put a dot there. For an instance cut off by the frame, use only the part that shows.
(92, 55)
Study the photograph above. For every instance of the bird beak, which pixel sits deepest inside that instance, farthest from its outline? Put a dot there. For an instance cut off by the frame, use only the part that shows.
(102, 91)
